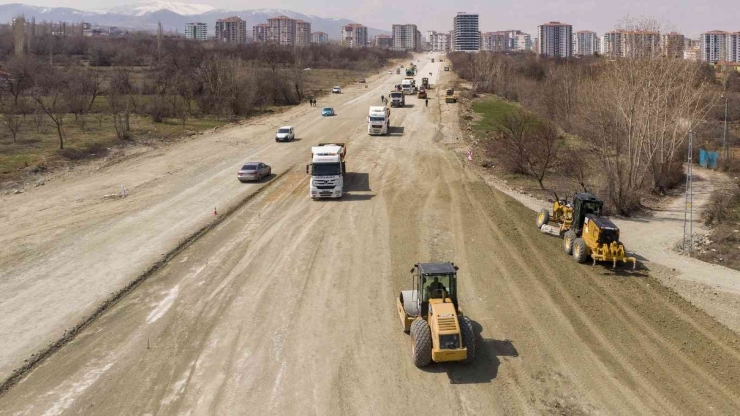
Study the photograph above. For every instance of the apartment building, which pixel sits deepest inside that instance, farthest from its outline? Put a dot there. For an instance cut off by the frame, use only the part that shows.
(522, 42)
(733, 47)
(495, 41)
(640, 44)
(555, 39)
(406, 37)
(259, 33)
(586, 43)
(692, 53)
(281, 30)
(467, 37)
(440, 41)
(354, 35)
(384, 41)
(610, 44)
(302, 33)
(714, 46)
(319, 37)
(196, 31)
(672, 45)
(231, 30)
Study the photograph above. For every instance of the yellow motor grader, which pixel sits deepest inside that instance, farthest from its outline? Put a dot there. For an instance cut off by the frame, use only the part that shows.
(430, 313)
(584, 230)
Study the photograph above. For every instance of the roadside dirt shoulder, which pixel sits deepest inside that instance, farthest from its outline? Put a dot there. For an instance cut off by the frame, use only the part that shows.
(653, 239)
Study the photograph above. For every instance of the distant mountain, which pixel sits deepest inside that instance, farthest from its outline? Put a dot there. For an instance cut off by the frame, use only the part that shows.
(173, 15)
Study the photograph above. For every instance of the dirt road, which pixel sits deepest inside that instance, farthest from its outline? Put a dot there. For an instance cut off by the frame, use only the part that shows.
(287, 307)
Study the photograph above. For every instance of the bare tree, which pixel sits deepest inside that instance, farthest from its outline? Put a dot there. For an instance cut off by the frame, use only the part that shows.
(11, 120)
(51, 95)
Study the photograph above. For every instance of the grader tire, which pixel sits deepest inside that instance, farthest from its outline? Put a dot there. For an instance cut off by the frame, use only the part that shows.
(543, 218)
(421, 343)
(580, 251)
(468, 337)
(568, 240)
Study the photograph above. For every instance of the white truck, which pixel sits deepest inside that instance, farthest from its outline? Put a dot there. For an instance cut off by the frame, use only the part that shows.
(398, 99)
(378, 120)
(327, 170)
(408, 86)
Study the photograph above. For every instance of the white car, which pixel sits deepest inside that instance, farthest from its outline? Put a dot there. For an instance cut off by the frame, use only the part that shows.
(285, 134)
(336, 90)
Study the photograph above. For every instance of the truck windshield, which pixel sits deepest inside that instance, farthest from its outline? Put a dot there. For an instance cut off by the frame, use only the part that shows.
(284, 131)
(326, 169)
(396, 95)
(381, 119)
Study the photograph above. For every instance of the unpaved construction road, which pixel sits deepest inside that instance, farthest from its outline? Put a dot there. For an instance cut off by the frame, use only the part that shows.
(287, 306)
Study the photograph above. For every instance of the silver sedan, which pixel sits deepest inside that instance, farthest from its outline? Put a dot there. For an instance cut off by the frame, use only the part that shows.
(253, 171)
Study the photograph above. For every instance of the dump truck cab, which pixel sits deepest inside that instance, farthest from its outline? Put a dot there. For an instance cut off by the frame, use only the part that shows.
(431, 314)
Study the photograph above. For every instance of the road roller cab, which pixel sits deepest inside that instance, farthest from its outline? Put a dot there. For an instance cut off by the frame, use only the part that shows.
(431, 314)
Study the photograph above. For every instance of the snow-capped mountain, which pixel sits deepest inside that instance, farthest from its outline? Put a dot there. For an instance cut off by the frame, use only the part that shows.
(173, 16)
(142, 8)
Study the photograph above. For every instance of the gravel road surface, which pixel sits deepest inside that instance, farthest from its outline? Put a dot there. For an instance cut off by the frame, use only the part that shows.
(287, 306)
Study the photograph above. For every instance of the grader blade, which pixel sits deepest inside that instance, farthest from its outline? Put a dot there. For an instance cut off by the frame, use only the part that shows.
(550, 229)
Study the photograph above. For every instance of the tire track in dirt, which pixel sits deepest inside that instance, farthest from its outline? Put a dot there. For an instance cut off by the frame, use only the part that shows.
(658, 354)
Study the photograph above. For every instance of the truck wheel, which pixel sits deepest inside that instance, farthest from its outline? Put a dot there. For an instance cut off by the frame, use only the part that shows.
(568, 240)
(580, 250)
(421, 343)
(543, 218)
(468, 337)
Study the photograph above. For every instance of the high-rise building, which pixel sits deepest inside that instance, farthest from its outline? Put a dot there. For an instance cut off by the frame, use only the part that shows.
(354, 35)
(733, 47)
(555, 39)
(466, 33)
(259, 32)
(586, 43)
(281, 30)
(196, 31)
(231, 30)
(611, 44)
(302, 33)
(672, 45)
(406, 38)
(319, 37)
(522, 42)
(640, 44)
(494, 41)
(384, 41)
(439, 41)
(714, 46)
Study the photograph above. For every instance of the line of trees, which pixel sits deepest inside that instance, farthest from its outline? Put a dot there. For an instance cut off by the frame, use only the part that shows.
(60, 79)
(630, 117)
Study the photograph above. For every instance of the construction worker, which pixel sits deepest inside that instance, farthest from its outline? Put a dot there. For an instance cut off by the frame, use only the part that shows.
(426, 102)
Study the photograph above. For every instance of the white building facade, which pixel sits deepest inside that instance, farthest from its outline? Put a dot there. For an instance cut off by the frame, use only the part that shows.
(555, 39)
(466, 33)
(586, 43)
(196, 31)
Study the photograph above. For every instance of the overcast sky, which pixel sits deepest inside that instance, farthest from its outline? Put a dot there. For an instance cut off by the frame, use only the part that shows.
(690, 17)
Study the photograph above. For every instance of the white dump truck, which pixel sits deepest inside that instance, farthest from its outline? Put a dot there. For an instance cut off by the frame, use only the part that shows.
(378, 120)
(327, 170)
(398, 99)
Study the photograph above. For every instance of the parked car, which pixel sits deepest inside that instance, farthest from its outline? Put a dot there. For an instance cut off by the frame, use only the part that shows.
(390, 72)
(447, 68)
(361, 80)
(327, 111)
(253, 171)
(285, 134)
(336, 90)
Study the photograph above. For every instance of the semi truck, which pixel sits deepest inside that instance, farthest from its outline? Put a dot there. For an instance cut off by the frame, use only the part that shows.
(378, 120)
(327, 170)
(398, 99)
(410, 71)
(407, 86)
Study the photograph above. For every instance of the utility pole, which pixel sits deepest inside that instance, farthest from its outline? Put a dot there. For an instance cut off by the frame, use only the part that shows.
(688, 213)
(724, 140)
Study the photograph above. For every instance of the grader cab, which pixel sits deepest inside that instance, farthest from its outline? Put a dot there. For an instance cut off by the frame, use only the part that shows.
(430, 313)
(584, 230)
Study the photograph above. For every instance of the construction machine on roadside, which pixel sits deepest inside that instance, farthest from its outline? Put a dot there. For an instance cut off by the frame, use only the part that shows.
(430, 313)
(450, 96)
(425, 82)
(585, 231)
